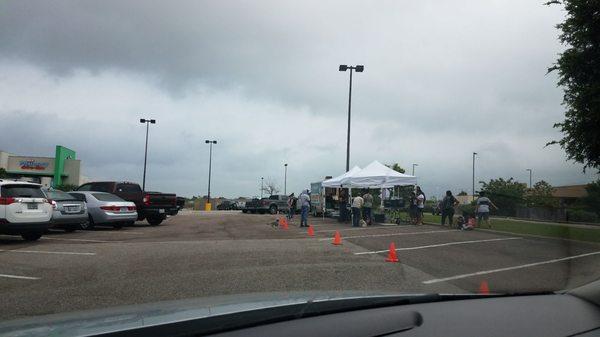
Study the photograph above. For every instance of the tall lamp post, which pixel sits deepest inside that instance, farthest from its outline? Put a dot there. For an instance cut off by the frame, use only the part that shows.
(530, 179)
(359, 69)
(285, 180)
(208, 206)
(474, 154)
(147, 122)
(413, 172)
(261, 186)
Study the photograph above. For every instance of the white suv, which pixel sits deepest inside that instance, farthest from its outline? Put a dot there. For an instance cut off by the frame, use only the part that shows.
(24, 210)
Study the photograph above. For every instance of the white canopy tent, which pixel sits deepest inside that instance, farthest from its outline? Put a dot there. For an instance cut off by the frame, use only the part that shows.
(339, 180)
(377, 175)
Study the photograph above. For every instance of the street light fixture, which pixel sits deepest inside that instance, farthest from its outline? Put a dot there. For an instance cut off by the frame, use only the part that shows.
(530, 174)
(147, 122)
(285, 180)
(474, 154)
(211, 142)
(359, 69)
(413, 171)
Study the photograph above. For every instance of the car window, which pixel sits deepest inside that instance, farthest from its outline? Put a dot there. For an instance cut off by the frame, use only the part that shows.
(100, 187)
(23, 191)
(78, 196)
(128, 188)
(106, 197)
(58, 195)
(85, 187)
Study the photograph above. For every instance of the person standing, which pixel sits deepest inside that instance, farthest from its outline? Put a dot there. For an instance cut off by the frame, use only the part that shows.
(357, 204)
(448, 204)
(482, 209)
(368, 207)
(343, 205)
(420, 205)
(412, 208)
(304, 200)
(291, 206)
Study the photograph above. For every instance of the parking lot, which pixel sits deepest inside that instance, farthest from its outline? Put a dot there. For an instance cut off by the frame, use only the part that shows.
(198, 254)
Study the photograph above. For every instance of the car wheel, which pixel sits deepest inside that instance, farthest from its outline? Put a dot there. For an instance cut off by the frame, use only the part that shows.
(244, 211)
(31, 236)
(88, 225)
(154, 221)
(273, 209)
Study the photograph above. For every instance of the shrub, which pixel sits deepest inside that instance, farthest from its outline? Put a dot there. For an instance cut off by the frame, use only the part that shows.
(578, 215)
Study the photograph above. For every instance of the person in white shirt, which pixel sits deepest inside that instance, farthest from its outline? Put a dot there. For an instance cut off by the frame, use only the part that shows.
(357, 204)
(420, 205)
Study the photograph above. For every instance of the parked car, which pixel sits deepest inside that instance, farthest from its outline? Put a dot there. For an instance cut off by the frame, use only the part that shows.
(151, 206)
(24, 210)
(106, 209)
(272, 204)
(226, 205)
(68, 212)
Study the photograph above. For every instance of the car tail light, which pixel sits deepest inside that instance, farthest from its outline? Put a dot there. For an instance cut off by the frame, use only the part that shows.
(131, 208)
(52, 202)
(111, 208)
(146, 200)
(7, 200)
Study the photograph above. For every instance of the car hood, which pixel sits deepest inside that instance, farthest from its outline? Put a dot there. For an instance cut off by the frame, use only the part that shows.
(135, 316)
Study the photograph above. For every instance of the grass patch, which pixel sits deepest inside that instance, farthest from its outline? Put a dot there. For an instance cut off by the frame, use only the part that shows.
(535, 228)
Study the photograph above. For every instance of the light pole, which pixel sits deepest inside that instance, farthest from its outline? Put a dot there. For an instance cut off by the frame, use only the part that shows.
(530, 174)
(147, 122)
(414, 168)
(359, 69)
(474, 154)
(211, 142)
(261, 186)
(285, 180)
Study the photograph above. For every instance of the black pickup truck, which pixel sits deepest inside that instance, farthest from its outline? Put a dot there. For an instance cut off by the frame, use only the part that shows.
(151, 206)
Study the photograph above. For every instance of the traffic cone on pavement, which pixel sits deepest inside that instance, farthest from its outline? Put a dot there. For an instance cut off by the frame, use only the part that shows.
(337, 239)
(285, 224)
(484, 288)
(311, 231)
(392, 254)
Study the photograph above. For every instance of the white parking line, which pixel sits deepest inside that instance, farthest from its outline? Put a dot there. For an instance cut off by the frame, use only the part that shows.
(80, 240)
(358, 229)
(439, 245)
(44, 252)
(19, 277)
(485, 272)
(390, 234)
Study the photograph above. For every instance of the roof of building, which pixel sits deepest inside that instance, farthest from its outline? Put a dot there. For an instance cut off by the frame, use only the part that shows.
(570, 191)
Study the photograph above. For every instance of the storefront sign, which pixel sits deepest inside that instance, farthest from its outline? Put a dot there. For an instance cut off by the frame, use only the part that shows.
(33, 165)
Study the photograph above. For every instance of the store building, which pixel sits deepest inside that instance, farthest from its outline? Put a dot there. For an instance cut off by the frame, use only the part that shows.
(63, 168)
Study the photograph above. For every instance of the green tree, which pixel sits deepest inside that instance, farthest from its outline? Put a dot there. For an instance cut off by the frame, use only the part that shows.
(541, 195)
(506, 194)
(578, 74)
(396, 167)
(462, 193)
(3, 173)
(592, 201)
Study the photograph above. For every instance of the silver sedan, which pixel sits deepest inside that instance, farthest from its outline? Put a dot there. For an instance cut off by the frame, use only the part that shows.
(106, 209)
(68, 213)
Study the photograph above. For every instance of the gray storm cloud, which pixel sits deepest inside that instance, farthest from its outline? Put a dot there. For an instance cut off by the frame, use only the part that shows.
(442, 80)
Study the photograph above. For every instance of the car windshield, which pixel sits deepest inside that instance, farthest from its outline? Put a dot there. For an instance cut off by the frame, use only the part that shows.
(22, 191)
(59, 195)
(295, 149)
(106, 197)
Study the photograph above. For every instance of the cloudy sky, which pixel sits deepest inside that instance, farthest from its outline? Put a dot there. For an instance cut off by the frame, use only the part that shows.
(442, 79)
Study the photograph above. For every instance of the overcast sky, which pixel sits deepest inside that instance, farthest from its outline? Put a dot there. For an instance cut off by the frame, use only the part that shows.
(442, 79)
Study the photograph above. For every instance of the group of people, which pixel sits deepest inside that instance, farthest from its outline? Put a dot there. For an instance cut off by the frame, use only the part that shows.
(304, 201)
(362, 207)
(482, 211)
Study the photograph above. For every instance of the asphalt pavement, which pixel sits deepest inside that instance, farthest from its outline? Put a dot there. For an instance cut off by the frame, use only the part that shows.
(200, 254)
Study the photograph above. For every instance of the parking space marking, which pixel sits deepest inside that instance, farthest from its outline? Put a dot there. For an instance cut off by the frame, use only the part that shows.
(391, 234)
(79, 240)
(359, 229)
(439, 245)
(19, 277)
(491, 271)
(44, 252)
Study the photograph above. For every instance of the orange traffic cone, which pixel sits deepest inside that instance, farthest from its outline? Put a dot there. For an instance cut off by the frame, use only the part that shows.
(311, 231)
(281, 221)
(337, 239)
(392, 254)
(285, 224)
(483, 288)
